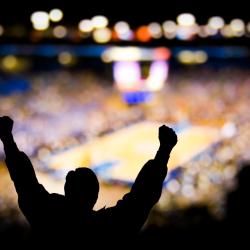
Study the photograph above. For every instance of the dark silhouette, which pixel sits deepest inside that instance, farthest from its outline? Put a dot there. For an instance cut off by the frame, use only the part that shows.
(195, 227)
(181, 228)
(70, 219)
(237, 219)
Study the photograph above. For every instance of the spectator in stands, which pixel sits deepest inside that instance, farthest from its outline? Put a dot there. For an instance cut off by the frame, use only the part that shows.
(70, 218)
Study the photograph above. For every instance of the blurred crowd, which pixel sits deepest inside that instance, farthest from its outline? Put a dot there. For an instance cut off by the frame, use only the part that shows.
(76, 107)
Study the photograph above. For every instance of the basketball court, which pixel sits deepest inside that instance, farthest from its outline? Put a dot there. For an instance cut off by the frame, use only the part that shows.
(119, 156)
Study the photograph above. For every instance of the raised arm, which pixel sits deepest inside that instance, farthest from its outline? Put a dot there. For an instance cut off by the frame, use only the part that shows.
(20, 168)
(148, 184)
(133, 209)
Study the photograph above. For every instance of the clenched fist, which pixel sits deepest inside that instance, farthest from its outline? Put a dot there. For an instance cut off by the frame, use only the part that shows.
(167, 137)
(6, 125)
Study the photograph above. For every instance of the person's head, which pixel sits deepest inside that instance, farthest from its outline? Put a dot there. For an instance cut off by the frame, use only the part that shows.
(82, 186)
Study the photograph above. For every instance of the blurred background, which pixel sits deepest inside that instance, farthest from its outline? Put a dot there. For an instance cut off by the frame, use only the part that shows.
(88, 84)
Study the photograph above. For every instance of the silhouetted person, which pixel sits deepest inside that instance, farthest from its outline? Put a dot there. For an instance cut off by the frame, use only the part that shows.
(237, 219)
(70, 218)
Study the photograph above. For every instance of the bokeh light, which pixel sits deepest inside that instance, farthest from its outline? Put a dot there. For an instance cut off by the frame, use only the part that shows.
(186, 19)
(66, 58)
(85, 25)
(99, 22)
(40, 20)
(60, 31)
(216, 22)
(10, 62)
(155, 30)
(55, 15)
(102, 35)
(143, 34)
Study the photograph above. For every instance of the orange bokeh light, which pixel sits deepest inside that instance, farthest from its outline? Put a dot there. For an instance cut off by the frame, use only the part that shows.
(143, 34)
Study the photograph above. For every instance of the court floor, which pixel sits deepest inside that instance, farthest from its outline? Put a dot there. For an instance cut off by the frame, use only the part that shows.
(119, 156)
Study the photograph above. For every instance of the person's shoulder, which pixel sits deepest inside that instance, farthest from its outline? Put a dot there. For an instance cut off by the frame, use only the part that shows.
(104, 211)
(108, 213)
(57, 197)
